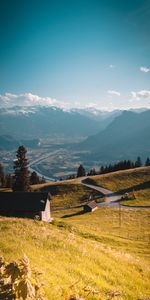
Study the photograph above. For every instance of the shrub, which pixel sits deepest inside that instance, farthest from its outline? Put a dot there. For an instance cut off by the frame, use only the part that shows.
(17, 282)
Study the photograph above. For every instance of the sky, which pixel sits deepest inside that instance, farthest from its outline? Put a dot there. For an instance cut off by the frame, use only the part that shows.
(75, 53)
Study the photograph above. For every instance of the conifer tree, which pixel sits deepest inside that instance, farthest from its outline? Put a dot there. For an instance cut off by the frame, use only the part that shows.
(34, 178)
(129, 164)
(147, 163)
(102, 169)
(81, 171)
(138, 162)
(21, 178)
(92, 172)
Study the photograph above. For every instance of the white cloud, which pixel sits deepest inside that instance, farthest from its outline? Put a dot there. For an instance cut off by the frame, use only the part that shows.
(91, 105)
(113, 93)
(28, 99)
(143, 94)
(144, 69)
(11, 95)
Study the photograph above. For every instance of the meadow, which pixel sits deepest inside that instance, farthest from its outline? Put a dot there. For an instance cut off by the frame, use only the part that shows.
(101, 255)
(90, 252)
(135, 182)
(68, 193)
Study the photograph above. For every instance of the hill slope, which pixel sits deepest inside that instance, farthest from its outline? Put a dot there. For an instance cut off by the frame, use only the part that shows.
(135, 181)
(82, 251)
(124, 180)
(107, 250)
(126, 137)
(7, 142)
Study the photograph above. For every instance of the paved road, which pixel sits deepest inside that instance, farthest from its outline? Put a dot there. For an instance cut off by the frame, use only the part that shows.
(111, 198)
(39, 159)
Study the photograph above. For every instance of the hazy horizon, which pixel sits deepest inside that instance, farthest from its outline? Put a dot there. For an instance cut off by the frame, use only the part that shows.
(28, 100)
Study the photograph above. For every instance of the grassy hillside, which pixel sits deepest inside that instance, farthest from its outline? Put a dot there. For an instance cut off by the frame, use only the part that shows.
(89, 250)
(67, 193)
(134, 180)
(106, 251)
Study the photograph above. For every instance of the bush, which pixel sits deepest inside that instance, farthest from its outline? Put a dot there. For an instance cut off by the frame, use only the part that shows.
(16, 281)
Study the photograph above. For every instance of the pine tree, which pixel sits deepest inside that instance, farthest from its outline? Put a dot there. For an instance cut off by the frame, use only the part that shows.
(138, 162)
(92, 172)
(34, 178)
(102, 170)
(21, 178)
(147, 163)
(129, 164)
(81, 171)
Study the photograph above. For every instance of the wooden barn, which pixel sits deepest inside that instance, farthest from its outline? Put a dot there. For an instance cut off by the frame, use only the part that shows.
(26, 205)
(91, 206)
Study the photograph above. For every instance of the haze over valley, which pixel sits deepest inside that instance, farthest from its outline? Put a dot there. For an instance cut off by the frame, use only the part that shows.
(59, 140)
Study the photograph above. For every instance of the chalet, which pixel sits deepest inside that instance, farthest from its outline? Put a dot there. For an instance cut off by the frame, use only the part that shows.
(91, 206)
(26, 205)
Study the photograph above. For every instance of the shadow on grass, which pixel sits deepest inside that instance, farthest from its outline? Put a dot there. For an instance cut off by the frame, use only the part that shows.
(82, 212)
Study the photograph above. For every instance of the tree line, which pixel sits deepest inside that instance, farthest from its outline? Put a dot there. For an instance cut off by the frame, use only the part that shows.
(22, 178)
(121, 165)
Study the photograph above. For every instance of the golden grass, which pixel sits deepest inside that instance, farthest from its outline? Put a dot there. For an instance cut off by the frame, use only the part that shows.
(111, 224)
(49, 183)
(142, 198)
(107, 250)
(122, 180)
(134, 180)
(68, 193)
(90, 249)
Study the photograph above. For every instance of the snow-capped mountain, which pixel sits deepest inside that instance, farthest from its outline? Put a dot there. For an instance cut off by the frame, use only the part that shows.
(40, 121)
(31, 116)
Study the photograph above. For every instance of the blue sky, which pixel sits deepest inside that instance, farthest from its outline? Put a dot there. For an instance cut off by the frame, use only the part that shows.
(79, 52)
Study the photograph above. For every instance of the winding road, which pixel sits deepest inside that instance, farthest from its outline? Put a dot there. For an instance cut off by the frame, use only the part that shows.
(112, 199)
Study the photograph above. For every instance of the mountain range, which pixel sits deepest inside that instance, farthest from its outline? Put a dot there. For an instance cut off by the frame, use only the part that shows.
(38, 122)
(109, 136)
(127, 136)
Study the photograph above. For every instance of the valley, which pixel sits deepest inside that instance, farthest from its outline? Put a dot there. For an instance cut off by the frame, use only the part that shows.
(53, 158)
(58, 141)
